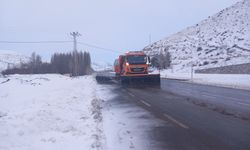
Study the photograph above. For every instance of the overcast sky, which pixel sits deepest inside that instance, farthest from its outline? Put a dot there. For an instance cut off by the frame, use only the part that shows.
(121, 25)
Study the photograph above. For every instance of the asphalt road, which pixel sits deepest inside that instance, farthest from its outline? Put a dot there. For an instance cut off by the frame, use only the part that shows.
(232, 101)
(201, 117)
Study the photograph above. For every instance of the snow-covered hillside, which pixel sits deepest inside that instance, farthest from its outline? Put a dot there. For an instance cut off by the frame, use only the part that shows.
(11, 58)
(220, 40)
(101, 66)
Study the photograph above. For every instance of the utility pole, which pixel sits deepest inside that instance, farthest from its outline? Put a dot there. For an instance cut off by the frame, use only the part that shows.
(75, 61)
(75, 34)
(149, 39)
(192, 66)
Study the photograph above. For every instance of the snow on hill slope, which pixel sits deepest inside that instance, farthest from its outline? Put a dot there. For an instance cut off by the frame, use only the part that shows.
(220, 40)
(11, 58)
(101, 66)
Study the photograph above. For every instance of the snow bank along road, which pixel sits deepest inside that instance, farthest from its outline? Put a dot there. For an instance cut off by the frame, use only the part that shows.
(238, 81)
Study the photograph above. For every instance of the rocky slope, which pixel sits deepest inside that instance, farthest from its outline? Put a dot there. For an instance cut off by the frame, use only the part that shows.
(220, 40)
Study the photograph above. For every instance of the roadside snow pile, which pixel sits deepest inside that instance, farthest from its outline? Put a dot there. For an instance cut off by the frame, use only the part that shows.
(11, 58)
(49, 112)
(240, 81)
(220, 40)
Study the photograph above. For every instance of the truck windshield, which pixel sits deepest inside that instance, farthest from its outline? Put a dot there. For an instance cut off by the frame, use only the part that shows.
(139, 59)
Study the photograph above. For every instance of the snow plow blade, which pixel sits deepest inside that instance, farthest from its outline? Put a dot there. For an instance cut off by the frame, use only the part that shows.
(141, 80)
(105, 77)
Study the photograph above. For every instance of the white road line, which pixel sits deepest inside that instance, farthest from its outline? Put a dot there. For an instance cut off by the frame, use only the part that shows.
(226, 97)
(131, 94)
(209, 96)
(243, 104)
(145, 103)
(176, 122)
(219, 96)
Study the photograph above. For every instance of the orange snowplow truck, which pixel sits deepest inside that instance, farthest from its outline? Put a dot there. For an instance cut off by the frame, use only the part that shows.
(133, 67)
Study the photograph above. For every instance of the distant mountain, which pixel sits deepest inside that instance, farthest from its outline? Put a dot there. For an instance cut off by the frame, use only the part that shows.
(11, 58)
(220, 40)
(101, 66)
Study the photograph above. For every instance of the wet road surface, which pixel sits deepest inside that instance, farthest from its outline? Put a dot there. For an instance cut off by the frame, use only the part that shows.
(193, 120)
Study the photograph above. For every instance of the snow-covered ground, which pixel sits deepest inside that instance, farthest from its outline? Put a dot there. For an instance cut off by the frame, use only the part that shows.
(52, 112)
(240, 81)
(43, 112)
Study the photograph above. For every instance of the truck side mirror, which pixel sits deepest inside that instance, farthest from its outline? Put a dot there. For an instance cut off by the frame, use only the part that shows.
(148, 60)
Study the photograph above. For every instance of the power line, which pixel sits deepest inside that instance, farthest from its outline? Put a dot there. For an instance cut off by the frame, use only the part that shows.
(98, 47)
(149, 39)
(45, 42)
(35, 42)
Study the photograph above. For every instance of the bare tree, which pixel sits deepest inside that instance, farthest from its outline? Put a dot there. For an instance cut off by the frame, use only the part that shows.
(61, 63)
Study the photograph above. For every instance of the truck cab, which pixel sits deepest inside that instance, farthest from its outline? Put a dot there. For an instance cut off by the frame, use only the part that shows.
(133, 67)
(134, 63)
